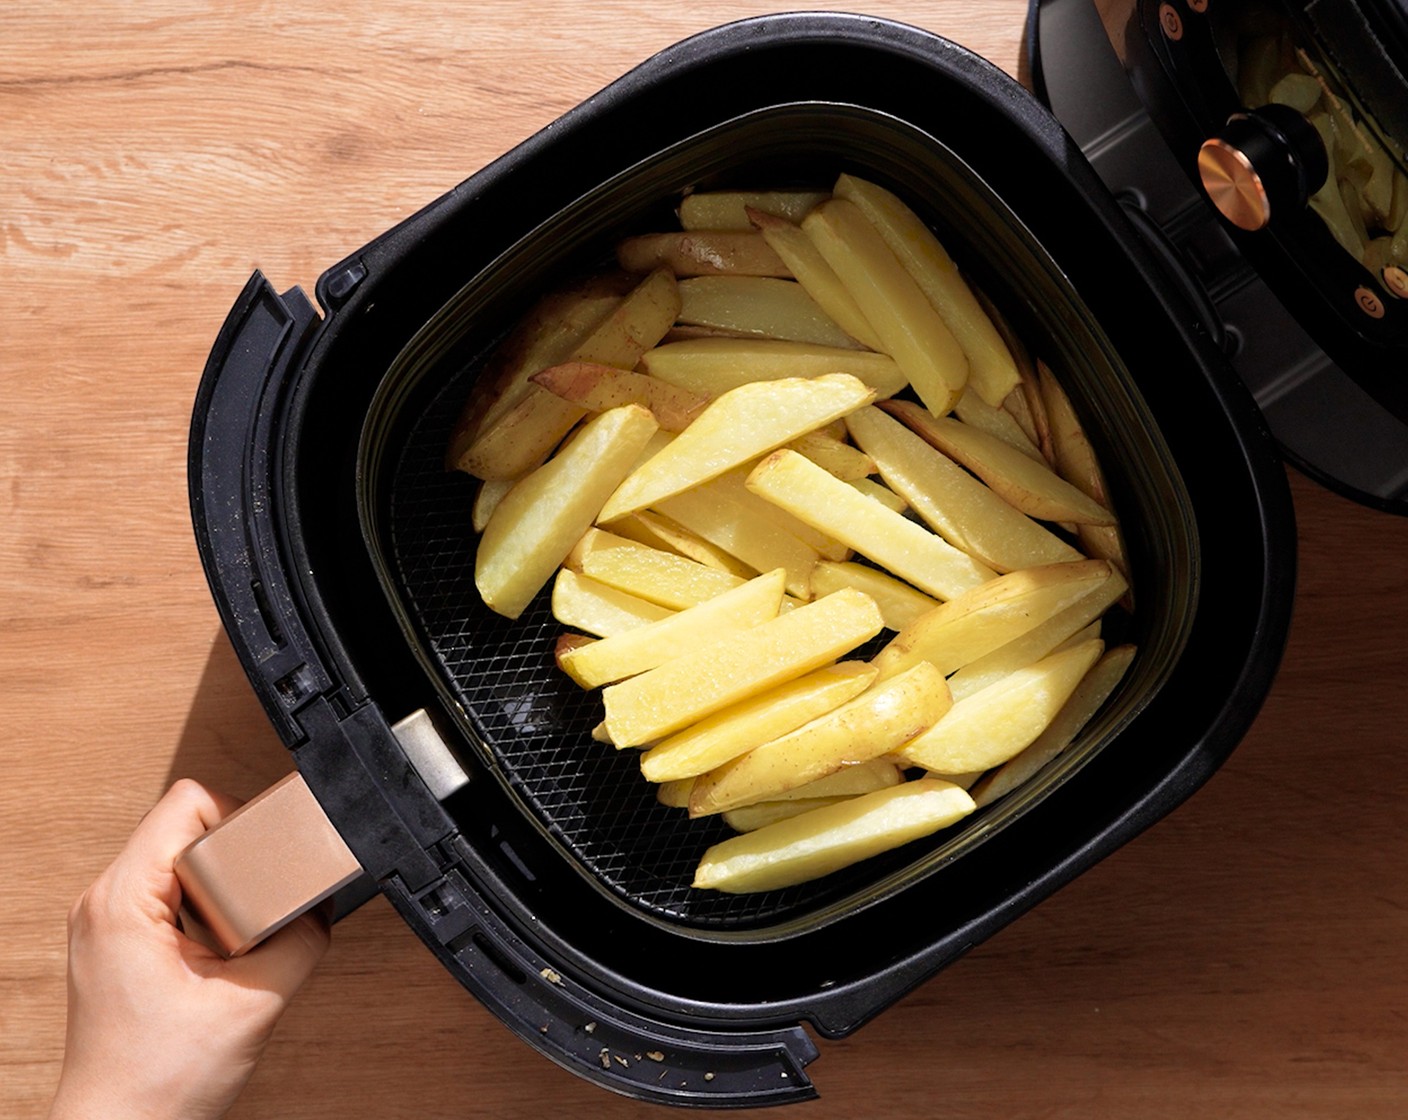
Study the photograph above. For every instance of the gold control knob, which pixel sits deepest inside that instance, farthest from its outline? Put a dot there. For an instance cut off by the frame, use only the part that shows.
(1264, 163)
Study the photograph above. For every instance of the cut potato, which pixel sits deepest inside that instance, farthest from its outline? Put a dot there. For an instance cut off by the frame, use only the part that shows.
(827, 839)
(850, 781)
(1051, 634)
(525, 435)
(958, 507)
(585, 604)
(1087, 699)
(674, 794)
(729, 670)
(1077, 463)
(676, 537)
(990, 616)
(740, 531)
(909, 328)
(897, 544)
(738, 729)
(1030, 486)
(644, 647)
(989, 727)
(597, 388)
(834, 456)
(991, 369)
(711, 366)
(748, 818)
(733, 484)
(882, 494)
(486, 500)
(666, 578)
(878, 721)
(899, 603)
(702, 253)
(810, 269)
(548, 334)
(729, 209)
(736, 427)
(540, 520)
(761, 307)
(996, 421)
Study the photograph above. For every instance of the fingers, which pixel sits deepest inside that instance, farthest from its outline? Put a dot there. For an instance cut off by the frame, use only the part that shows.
(283, 962)
(142, 876)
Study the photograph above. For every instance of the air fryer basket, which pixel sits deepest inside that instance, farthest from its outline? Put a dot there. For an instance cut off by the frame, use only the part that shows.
(549, 884)
(532, 721)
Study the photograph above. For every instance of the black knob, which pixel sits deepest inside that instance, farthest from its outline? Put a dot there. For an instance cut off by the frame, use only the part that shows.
(1265, 162)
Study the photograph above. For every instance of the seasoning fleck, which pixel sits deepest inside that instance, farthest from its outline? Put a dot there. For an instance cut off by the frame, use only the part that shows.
(622, 1060)
(551, 976)
(589, 1028)
(708, 1077)
(655, 1055)
(604, 1058)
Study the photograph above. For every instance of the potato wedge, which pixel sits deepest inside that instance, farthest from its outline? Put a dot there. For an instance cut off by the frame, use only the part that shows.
(962, 510)
(1078, 464)
(734, 485)
(831, 454)
(548, 334)
(1054, 633)
(897, 544)
(878, 721)
(675, 536)
(702, 253)
(909, 328)
(486, 500)
(899, 603)
(730, 669)
(992, 615)
(736, 427)
(849, 781)
(1087, 699)
(674, 794)
(1030, 486)
(827, 839)
(666, 578)
(990, 366)
(711, 366)
(525, 435)
(725, 735)
(597, 388)
(540, 520)
(882, 494)
(749, 818)
(729, 209)
(996, 421)
(644, 647)
(817, 278)
(989, 727)
(585, 604)
(759, 307)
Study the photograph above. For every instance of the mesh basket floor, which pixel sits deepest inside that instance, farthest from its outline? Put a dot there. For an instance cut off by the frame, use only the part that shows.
(537, 722)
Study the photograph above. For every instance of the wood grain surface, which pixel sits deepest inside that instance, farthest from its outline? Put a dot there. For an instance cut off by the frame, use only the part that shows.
(1247, 957)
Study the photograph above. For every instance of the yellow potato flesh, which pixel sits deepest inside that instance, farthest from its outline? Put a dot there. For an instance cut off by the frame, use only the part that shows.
(702, 253)
(733, 485)
(584, 604)
(1030, 486)
(725, 735)
(826, 839)
(899, 603)
(958, 507)
(660, 577)
(996, 421)
(729, 209)
(730, 669)
(817, 277)
(525, 435)
(747, 818)
(761, 306)
(990, 616)
(539, 521)
(990, 366)
(644, 647)
(849, 781)
(486, 500)
(834, 456)
(740, 425)
(675, 536)
(909, 328)
(989, 727)
(892, 541)
(1092, 692)
(711, 366)
(875, 723)
(740, 532)
(598, 388)
(882, 494)
(1051, 634)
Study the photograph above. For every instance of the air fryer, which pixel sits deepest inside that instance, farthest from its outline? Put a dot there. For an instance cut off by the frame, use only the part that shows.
(535, 863)
(1178, 107)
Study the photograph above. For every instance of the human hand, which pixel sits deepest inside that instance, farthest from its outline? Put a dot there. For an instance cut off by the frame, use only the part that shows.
(159, 1026)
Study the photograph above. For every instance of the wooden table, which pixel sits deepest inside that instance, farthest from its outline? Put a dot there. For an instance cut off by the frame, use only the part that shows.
(1244, 958)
